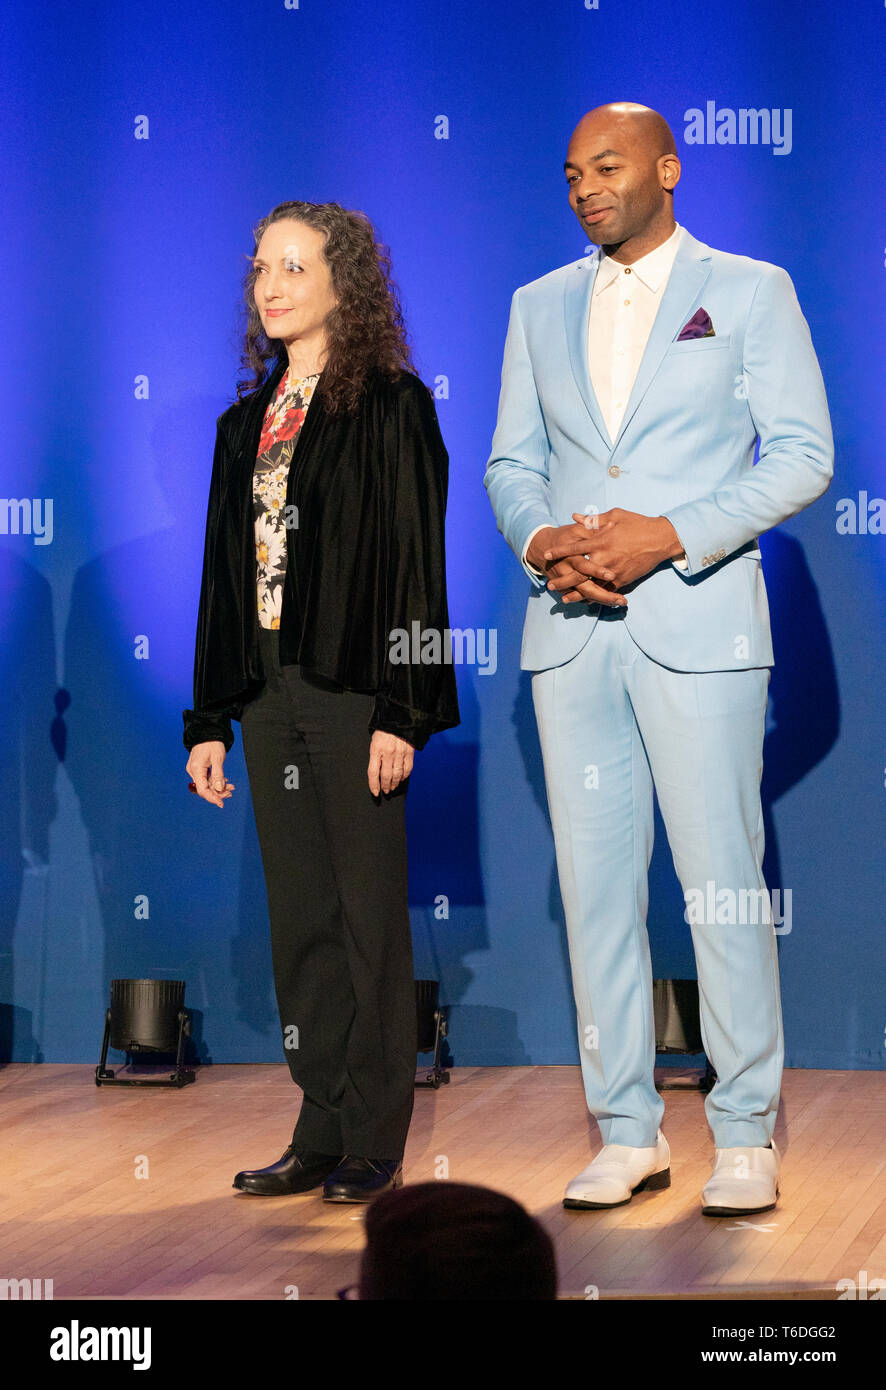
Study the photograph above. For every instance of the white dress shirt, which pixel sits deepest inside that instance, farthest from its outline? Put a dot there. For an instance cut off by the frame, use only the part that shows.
(623, 307)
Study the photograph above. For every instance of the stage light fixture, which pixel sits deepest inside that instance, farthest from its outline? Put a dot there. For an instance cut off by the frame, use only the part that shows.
(146, 1016)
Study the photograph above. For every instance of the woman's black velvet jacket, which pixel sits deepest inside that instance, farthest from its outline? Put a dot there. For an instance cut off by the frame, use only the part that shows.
(366, 557)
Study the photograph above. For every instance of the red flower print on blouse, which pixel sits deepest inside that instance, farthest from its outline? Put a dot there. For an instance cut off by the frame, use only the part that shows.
(276, 430)
(291, 425)
(285, 414)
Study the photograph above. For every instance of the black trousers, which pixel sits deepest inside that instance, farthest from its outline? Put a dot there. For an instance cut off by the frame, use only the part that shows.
(335, 869)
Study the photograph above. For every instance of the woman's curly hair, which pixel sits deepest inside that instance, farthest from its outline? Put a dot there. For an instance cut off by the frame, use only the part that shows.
(365, 329)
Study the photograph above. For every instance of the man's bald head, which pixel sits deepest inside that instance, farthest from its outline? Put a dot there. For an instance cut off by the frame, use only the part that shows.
(621, 168)
(643, 127)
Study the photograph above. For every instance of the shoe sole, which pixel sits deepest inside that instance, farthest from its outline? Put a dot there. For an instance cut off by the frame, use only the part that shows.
(738, 1211)
(398, 1182)
(293, 1192)
(653, 1183)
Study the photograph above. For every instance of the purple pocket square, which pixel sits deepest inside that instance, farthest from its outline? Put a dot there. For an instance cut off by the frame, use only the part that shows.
(699, 326)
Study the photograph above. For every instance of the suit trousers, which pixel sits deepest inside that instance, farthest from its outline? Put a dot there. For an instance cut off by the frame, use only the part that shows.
(335, 869)
(615, 725)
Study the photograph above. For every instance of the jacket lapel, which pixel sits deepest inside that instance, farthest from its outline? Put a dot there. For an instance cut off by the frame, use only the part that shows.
(247, 430)
(691, 268)
(577, 302)
(238, 512)
(245, 446)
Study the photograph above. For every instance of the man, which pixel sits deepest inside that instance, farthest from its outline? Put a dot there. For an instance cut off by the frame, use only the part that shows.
(635, 384)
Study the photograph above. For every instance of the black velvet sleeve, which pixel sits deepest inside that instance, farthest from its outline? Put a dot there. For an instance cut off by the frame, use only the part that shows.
(204, 726)
(417, 699)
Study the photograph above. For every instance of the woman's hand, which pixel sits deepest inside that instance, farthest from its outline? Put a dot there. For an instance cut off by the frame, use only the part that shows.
(206, 767)
(390, 761)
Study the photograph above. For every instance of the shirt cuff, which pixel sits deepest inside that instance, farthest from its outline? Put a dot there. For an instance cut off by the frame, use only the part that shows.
(523, 560)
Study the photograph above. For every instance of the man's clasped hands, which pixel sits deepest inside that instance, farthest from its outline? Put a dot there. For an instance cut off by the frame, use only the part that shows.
(601, 554)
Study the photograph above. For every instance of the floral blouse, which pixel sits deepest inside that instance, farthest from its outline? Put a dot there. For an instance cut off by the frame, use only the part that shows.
(284, 418)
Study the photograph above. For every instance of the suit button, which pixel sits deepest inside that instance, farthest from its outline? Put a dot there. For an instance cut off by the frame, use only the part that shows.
(614, 470)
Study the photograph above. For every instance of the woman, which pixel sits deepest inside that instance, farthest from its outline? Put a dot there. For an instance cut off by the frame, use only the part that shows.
(324, 536)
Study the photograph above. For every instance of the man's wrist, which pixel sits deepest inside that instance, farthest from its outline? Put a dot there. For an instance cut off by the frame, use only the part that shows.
(538, 563)
(672, 546)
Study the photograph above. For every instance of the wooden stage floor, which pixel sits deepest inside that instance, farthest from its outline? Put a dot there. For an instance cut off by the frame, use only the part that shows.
(116, 1192)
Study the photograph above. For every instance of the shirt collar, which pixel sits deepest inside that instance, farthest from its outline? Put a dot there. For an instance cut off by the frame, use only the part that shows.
(651, 268)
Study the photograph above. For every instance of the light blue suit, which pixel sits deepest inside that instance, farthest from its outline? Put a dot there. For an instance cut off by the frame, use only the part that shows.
(673, 690)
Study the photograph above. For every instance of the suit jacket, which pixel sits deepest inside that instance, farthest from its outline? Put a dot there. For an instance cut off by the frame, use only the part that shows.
(684, 449)
(367, 557)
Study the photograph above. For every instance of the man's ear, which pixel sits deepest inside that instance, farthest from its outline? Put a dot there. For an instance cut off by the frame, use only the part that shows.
(669, 171)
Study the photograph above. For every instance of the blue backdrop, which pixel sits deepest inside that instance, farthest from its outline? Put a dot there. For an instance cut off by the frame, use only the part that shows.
(141, 143)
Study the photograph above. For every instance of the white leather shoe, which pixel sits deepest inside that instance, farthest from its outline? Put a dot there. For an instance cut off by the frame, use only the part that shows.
(617, 1172)
(744, 1180)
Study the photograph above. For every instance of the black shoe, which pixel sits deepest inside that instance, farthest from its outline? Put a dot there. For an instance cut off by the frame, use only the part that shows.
(294, 1172)
(361, 1179)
